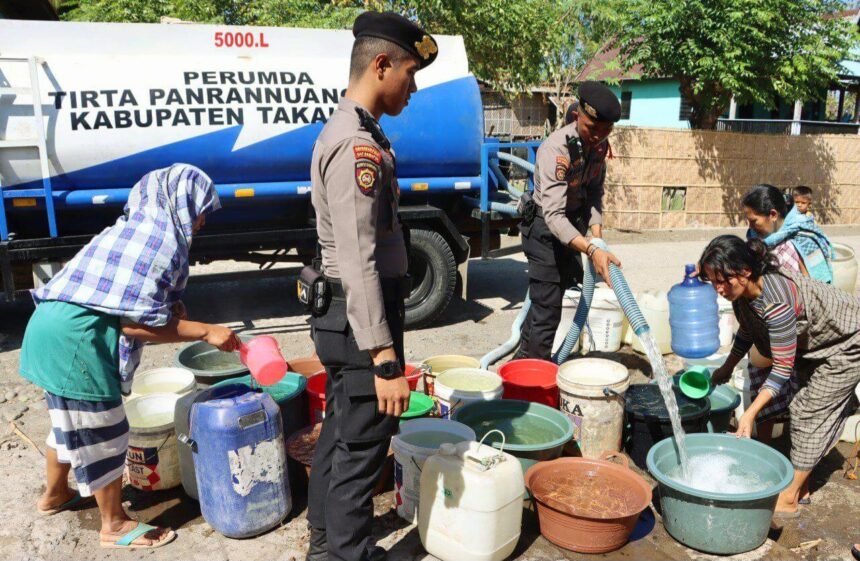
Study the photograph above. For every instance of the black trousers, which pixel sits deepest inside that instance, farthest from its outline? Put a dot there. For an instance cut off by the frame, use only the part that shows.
(553, 268)
(355, 437)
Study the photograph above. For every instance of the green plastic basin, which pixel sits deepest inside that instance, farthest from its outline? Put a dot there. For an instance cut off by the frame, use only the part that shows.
(533, 432)
(208, 364)
(720, 523)
(420, 405)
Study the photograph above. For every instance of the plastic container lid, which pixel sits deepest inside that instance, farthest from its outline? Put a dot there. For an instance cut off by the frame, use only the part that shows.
(645, 402)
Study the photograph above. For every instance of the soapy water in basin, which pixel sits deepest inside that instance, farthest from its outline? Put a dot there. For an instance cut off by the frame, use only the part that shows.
(215, 361)
(715, 472)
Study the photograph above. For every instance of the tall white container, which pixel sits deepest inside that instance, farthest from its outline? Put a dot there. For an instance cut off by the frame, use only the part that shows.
(844, 268)
(568, 311)
(597, 415)
(654, 305)
(471, 503)
(605, 319)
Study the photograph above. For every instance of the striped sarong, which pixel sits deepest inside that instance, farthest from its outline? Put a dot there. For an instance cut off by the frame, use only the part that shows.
(92, 436)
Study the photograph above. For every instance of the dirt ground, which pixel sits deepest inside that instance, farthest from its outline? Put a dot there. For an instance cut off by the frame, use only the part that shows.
(263, 303)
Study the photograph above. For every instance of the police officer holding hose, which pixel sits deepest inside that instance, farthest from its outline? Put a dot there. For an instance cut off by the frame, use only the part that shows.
(357, 298)
(567, 201)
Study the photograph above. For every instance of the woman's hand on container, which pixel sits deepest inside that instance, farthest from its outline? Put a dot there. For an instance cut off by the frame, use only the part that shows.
(222, 337)
(601, 260)
(745, 426)
(721, 375)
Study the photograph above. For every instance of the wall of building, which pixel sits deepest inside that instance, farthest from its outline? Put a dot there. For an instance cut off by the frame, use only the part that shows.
(655, 103)
(710, 171)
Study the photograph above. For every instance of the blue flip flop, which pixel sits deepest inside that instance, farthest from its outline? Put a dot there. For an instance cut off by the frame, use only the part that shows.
(126, 542)
(76, 500)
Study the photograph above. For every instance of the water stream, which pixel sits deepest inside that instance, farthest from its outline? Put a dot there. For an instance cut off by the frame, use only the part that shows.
(664, 381)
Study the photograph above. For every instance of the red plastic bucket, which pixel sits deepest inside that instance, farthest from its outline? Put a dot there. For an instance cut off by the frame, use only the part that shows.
(414, 372)
(530, 379)
(316, 397)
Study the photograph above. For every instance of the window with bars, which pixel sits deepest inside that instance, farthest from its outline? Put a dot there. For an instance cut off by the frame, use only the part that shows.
(626, 99)
(686, 109)
(674, 199)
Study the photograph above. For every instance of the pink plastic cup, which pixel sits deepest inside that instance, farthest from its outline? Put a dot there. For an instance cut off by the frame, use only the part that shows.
(263, 358)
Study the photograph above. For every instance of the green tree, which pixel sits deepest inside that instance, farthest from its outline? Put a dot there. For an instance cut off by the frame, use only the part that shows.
(754, 50)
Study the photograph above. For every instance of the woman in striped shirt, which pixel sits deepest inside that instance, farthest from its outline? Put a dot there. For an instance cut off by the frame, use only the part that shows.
(810, 328)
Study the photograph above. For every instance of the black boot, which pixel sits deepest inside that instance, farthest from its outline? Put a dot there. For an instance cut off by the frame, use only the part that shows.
(317, 548)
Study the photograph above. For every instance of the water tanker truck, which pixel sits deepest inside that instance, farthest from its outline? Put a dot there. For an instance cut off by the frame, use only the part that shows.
(86, 109)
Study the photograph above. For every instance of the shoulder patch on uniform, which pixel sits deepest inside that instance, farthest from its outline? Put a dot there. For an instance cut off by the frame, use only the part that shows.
(365, 176)
(367, 152)
(562, 164)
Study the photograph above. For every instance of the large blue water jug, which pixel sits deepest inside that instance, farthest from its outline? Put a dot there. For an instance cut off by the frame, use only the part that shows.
(240, 460)
(694, 317)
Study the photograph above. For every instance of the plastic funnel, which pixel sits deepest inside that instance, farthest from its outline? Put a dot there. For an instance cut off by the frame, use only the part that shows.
(263, 358)
(695, 383)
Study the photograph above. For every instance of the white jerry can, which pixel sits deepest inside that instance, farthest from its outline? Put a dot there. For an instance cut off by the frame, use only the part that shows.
(471, 504)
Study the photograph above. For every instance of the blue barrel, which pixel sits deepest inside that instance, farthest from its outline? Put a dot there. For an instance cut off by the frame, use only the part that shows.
(694, 317)
(240, 460)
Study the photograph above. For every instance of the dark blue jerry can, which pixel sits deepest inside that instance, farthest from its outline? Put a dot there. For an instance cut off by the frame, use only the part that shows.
(240, 461)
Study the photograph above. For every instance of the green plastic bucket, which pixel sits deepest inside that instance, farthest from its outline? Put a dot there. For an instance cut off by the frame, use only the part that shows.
(720, 523)
(420, 405)
(533, 432)
(724, 400)
(288, 393)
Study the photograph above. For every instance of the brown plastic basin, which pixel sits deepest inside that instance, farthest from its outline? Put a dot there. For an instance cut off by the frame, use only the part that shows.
(587, 506)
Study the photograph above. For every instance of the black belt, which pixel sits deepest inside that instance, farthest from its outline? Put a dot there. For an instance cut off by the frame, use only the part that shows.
(401, 286)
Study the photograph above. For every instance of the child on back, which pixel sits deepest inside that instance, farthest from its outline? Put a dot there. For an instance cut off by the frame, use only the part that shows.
(802, 196)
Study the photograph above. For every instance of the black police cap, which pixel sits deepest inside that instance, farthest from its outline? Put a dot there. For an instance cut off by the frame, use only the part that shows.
(400, 31)
(598, 102)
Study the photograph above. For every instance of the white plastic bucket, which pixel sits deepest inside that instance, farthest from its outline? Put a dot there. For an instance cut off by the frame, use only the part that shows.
(152, 462)
(568, 311)
(461, 386)
(440, 363)
(597, 417)
(170, 379)
(605, 320)
(844, 265)
(654, 305)
(418, 440)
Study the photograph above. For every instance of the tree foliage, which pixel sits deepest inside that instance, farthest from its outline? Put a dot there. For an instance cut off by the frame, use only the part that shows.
(754, 50)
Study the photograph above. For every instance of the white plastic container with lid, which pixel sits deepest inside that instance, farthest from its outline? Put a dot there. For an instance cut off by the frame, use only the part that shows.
(654, 305)
(152, 459)
(844, 265)
(460, 386)
(471, 504)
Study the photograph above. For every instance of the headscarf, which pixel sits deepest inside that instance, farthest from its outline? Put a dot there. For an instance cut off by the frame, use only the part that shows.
(137, 269)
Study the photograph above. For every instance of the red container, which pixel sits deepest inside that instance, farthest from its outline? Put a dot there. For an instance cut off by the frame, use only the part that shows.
(530, 379)
(414, 372)
(316, 397)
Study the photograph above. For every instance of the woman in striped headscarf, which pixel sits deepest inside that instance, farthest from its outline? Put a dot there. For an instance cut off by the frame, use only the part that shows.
(84, 341)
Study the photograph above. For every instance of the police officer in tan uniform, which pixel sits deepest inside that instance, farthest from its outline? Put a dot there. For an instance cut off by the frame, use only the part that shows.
(567, 201)
(359, 337)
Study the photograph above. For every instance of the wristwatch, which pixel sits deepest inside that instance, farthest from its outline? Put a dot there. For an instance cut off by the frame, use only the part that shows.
(388, 370)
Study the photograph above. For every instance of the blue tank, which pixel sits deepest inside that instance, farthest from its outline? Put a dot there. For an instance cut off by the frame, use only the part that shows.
(240, 460)
(694, 317)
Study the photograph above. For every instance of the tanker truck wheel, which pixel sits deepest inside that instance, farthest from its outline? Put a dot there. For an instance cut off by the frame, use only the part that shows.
(434, 276)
